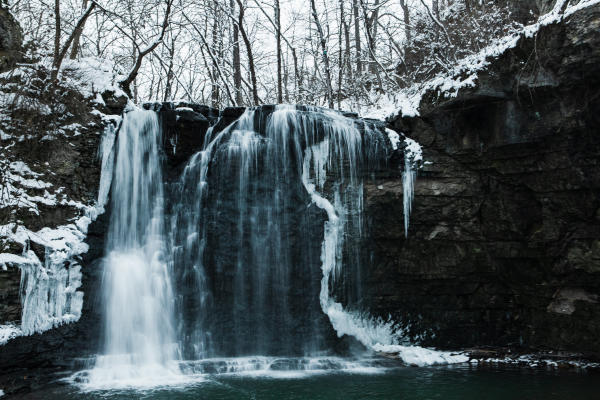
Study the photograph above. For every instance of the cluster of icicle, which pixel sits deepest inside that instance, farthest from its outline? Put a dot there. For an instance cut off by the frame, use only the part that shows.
(377, 334)
(49, 288)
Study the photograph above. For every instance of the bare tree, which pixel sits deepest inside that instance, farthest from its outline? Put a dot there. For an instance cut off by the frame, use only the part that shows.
(77, 39)
(357, 39)
(60, 53)
(251, 66)
(279, 60)
(435, 5)
(237, 68)
(405, 11)
(325, 55)
(126, 83)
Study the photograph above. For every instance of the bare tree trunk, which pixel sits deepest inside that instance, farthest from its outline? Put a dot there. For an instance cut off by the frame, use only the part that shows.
(407, 31)
(286, 91)
(340, 55)
(278, 34)
(297, 76)
(237, 67)
(170, 72)
(57, 30)
(215, 95)
(78, 32)
(468, 6)
(347, 65)
(357, 38)
(325, 55)
(59, 54)
(249, 51)
(212, 57)
(435, 5)
(372, 34)
(126, 83)
(371, 42)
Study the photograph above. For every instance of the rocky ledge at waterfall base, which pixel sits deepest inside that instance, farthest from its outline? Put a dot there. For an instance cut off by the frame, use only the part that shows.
(503, 245)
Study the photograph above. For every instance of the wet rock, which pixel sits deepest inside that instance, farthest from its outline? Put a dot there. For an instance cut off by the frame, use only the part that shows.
(503, 243)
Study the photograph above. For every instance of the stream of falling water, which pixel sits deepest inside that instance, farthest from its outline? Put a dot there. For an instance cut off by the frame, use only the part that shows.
(140, 343)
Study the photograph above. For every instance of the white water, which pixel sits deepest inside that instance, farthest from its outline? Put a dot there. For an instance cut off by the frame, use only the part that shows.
(376, 334)
(140, 343)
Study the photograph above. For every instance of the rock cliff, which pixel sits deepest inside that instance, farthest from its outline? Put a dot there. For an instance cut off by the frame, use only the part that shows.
(503, 247)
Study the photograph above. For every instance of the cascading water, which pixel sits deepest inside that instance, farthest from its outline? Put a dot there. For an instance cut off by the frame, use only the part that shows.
(140, 342)
(249, 230)
(254, 253)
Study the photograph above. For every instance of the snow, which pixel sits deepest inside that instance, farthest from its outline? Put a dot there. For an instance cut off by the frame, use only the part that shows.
(8, 258)
(406, 102)
(92, 76)
(394, 138)
(413, 150)
(50, 287)
(18, 182)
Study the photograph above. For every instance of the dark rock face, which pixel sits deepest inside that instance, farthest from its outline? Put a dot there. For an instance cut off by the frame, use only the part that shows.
(10, 306)
(11, 39)
(503, 247)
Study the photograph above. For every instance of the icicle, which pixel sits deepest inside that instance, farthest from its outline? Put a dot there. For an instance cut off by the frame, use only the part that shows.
(413, 153)
(408, 189)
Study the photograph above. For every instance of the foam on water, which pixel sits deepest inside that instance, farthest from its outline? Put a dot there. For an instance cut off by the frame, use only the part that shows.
(154, 376)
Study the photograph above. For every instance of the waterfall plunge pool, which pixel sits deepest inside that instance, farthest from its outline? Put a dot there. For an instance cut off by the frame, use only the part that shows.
(379, 381)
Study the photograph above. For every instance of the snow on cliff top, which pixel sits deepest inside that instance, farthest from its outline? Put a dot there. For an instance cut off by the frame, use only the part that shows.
(88, 75)
(464, 74)
(92, 75)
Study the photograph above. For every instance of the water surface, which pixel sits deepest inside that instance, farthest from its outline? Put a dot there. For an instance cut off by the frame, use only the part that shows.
(448, 383)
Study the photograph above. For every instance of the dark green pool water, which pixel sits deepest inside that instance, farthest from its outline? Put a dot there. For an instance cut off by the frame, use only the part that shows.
(447, 383)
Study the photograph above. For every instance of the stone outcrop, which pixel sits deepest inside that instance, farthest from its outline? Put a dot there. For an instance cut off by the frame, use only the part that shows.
(503, 247)
(11, 40)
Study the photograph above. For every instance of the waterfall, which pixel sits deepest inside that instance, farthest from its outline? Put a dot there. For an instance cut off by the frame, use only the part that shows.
(256, 251)
(140, 342)
(247, 230)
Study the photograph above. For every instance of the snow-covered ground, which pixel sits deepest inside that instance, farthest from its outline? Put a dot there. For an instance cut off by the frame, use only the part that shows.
(406, 102)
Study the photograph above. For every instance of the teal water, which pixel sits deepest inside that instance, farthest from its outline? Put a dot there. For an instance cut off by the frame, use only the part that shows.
(448, 383)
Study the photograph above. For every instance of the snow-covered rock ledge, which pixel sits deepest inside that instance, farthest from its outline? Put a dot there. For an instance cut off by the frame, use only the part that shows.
(407, 102)
(51, 185)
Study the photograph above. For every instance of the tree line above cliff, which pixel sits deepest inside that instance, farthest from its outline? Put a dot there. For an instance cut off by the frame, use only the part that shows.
(338, 53)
